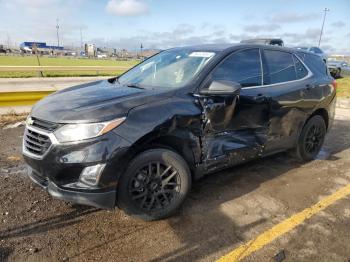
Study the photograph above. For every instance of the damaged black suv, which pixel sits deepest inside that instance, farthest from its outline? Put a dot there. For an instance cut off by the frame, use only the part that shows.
(139, 140)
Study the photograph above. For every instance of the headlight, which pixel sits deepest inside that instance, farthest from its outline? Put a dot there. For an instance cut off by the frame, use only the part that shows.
(76, 132)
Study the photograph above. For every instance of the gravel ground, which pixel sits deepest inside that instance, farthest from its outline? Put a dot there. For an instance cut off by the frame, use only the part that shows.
(223, 211)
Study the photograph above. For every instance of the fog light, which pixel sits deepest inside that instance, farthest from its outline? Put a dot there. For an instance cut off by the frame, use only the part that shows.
(91, 174)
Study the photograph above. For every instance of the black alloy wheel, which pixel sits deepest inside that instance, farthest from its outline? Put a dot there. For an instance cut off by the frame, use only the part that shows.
(311, 138)
(154, 185)
(314, 138)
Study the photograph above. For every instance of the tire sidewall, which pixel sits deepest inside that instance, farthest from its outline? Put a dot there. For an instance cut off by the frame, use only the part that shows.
(315, 120)
(338, 75)
(164, 156)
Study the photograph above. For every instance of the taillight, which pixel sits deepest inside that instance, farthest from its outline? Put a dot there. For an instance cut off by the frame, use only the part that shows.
(334, 84)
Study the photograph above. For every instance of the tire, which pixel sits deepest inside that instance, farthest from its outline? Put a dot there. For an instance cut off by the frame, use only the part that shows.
(154, 185)
(311, 138)
(338, 73)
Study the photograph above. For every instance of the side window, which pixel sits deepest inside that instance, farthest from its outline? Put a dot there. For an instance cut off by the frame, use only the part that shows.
(300, 68)
(316, 64)
(243, 67)
(280, 65)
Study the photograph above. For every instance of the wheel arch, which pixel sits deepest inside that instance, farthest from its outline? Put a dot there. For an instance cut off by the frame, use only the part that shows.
(323, 113)
(187, 147)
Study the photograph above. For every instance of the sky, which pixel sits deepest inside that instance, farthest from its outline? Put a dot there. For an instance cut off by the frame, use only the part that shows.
(160, 24)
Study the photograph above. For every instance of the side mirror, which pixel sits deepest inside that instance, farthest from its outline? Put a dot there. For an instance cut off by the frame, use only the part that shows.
(222, 87)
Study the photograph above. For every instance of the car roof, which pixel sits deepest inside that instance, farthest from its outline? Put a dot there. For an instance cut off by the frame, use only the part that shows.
(229, 47)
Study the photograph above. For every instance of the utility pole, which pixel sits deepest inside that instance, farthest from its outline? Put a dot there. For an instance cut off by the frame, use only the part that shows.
(81, 38)
(324, 19)
(141, 47)
(58, 37)
(8, 40)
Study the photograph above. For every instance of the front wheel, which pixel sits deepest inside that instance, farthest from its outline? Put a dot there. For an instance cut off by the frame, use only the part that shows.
(311, 138)
(154, 185)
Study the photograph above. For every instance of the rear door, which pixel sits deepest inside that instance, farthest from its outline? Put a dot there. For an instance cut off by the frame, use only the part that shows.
(235, 125)
(288, 85)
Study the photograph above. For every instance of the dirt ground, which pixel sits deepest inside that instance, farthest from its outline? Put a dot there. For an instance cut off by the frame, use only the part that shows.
(223, 211)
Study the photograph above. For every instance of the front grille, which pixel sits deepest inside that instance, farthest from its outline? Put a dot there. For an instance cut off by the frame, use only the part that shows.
(45, 125)
(36, 143)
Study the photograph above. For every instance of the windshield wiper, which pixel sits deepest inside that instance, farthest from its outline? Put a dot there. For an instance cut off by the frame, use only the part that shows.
(134, 85)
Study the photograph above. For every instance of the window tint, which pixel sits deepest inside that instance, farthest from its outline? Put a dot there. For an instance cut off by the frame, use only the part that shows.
(243, 67)
(301, 55)
(281, 66)
(316, 64)
(300, 68)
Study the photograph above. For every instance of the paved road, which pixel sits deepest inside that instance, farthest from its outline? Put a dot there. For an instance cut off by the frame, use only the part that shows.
(223, 211)
(43, 83)
(39, 84)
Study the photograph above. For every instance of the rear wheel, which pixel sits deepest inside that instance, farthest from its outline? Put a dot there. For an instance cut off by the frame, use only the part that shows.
(155, 184)
(311, 138)
(338, 73)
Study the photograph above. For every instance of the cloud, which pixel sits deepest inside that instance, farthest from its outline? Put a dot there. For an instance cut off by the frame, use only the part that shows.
(33, 5)
(126, 7)
(43, 7)
(308, 38)
(294, 17)
(184, 29)
(262, 28)
(338, 24)
(328, 48)
(35, 20)
(181, 35)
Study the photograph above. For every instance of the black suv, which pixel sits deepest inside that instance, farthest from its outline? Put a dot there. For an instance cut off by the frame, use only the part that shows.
(139, 140)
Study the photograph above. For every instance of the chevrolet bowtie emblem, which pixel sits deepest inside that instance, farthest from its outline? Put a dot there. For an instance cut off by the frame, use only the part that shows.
(29, 121)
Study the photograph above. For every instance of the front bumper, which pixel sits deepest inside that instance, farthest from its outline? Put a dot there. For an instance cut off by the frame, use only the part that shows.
(59, 170)
(90, 198)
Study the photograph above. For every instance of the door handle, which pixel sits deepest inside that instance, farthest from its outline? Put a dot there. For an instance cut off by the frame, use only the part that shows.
(309, 87)
(261, 98)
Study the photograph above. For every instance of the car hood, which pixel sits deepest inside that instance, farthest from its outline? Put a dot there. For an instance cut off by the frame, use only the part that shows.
(93, 102)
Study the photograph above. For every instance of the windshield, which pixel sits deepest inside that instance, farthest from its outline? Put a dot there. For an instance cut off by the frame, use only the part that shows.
(169, 69)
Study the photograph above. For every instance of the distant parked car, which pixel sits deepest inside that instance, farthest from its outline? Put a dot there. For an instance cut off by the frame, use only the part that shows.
(264, 41)
(102, 56)
(3, 50)
(316, 50)
(339, 68)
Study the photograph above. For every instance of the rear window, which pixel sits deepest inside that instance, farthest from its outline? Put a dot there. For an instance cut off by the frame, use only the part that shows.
(281, 66)
(316, 50)
(316, 64)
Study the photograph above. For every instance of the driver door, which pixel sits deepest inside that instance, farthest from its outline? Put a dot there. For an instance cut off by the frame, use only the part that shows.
(235, 125)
